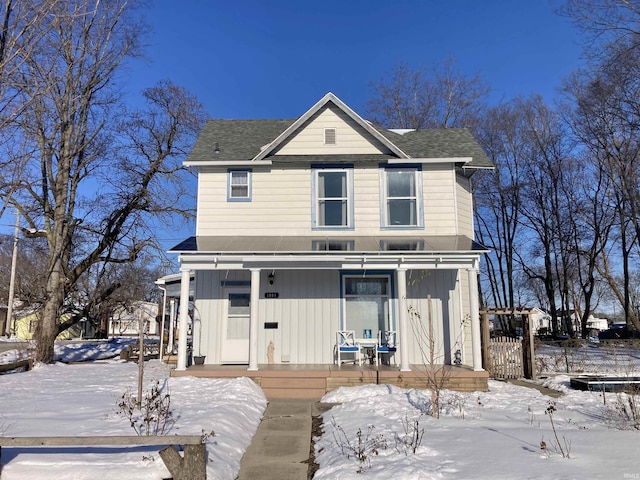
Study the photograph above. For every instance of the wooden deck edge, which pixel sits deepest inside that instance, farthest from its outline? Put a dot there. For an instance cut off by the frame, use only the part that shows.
(298, 382)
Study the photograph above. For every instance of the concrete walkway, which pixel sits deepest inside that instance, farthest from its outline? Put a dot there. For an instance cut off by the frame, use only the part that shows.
(529, 384)
(280, 448)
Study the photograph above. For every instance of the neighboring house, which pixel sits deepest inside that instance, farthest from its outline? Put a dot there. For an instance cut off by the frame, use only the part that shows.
(324, 223)
(125, 321)
(25, 322)
(171, 286)
(540, 322)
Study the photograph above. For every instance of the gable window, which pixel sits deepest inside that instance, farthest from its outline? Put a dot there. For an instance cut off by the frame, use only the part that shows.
(239, 186)
(332, 198)
(401, 194)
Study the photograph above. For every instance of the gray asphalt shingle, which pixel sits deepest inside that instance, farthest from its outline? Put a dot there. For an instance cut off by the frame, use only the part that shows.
(243, 139)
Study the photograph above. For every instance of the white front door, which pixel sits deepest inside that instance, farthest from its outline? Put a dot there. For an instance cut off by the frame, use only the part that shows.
(235, 327)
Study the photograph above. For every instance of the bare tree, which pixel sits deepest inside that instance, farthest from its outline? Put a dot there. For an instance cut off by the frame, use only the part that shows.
(497, 205)
(605, 22)
(98, 172)
(438, 97)
(605, 118)
(22, 27)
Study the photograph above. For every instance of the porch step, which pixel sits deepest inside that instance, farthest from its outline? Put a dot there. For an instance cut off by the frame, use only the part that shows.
(293, 387)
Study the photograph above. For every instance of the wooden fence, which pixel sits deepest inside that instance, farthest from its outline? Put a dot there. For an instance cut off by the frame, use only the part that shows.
(505, 358)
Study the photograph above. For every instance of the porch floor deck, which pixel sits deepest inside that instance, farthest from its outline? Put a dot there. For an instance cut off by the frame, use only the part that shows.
(313, 381)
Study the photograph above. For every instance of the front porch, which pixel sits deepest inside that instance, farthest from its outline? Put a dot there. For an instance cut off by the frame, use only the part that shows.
(313, 381)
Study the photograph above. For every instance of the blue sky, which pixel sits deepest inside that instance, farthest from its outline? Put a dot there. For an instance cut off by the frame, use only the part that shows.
(274, 59)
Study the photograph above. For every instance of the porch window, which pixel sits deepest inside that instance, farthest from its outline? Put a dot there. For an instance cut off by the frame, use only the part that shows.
(332, 198)
(401, 192)
(401, 245)
(366, 305)
(325, 245)
(239, 185)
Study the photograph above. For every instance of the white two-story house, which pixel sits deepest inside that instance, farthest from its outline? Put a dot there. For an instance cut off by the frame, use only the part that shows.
(328, 223)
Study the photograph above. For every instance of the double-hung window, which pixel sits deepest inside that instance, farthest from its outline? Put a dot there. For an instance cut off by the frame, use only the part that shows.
(239, 185)
(401, 194)
(332, 198)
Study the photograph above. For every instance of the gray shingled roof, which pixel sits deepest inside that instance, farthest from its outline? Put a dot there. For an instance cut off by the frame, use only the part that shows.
(236, 139)
(243, 140)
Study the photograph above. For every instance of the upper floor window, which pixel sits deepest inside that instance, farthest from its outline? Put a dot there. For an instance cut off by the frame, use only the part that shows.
(332, 198)
(401, 197)
(239, 186)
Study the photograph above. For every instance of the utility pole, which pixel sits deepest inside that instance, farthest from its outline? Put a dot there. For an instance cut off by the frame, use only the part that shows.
(12, 279)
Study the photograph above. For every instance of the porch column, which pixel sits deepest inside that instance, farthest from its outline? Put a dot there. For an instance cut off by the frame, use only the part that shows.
(253, 322)
(403, 328)
(183, 320)
(476, 344)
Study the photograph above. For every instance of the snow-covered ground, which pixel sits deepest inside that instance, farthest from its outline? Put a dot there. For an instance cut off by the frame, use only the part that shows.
(481, 435)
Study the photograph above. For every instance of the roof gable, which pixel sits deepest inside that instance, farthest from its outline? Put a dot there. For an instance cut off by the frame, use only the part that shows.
(247, 142)
(300, 123)
(349, 137)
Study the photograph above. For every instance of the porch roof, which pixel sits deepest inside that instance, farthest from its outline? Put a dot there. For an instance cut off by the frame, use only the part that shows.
(373, 245)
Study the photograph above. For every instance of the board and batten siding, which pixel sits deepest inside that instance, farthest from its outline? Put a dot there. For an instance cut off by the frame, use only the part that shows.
(443, 289)
(350, 137)
(307, 312)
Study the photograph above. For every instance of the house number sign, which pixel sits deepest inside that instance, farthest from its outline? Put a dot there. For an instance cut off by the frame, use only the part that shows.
(271, 294)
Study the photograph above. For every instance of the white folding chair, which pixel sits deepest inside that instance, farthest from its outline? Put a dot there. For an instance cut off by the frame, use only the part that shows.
(386, 347)
(346, 344)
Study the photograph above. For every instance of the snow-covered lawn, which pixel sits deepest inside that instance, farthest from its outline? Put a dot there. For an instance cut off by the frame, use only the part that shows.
(82, 399)
(482, 435)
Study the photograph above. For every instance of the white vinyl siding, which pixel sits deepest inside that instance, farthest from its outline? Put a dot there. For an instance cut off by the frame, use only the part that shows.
(439, 202)
(351, 137)
(281, 203)
(464, 206)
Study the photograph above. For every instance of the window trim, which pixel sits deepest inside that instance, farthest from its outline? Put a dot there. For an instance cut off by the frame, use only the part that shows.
(391, 294)
(230, 173)
(315, 170)
(384, 220)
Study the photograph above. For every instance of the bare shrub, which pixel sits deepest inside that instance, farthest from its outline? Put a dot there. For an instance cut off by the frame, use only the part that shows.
(153, 416)
(624, 411)
(564, 447)
(362, 448)
(412, 438)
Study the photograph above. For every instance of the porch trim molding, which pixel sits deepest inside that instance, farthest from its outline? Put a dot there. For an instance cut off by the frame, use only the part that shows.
(401, 277)
(476, 344)
(253, 322)
(183, 319)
